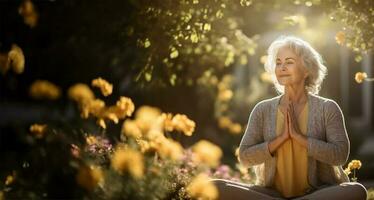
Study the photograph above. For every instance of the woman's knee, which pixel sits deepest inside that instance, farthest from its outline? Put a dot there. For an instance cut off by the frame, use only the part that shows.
(359, 189)
(218, 182)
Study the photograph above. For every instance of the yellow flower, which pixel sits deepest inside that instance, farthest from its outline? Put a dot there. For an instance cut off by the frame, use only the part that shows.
(145, 116)
(225, 95)
(17, 59)
(130, 128)
(124, 107)
(38, 130)
(167, 121)
(340, 37)
(360, 76)
(154, 133)
(354, 164)
(41, 89)
(182, 123)
(144, 145)
(201, 188)
(105, 87)
(207, 152)
(90, 140)
(93, 107)
(125, 159)
(80, 93)
(89, 177)
(168, 148)
(112, 117)
(235, 128)
(9, 180)
(28, 12)
(89, 106)
(14, 58)
(224, 122)
(101, 123)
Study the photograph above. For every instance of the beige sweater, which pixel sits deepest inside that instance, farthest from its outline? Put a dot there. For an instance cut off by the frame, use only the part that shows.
(328, 142)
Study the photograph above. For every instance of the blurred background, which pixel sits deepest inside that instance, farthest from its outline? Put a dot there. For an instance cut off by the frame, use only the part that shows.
(200, 58)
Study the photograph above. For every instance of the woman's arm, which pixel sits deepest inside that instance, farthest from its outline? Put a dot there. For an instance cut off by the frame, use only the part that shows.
(253, 150)
(279, 140)
(335, 150)
(294, 128)
(276, 143)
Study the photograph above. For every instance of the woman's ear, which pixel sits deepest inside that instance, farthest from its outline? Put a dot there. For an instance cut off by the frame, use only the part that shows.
(306, 75)
(306, 78)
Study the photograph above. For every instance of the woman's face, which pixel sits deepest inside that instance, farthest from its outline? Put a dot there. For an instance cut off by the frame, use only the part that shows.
(289, 68)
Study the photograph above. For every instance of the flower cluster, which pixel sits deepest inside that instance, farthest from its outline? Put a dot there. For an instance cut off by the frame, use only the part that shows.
(13, 59)
(150, 123)
(353, 165)
(362, 76)
(146, 156)
(38, 130)
(105, 87)
(146, 149)
(207, 153)
(28, 12)
(201, 188)
(128, 160)
(226, 123)
(90, 106)
(42, 89)
(89, 177)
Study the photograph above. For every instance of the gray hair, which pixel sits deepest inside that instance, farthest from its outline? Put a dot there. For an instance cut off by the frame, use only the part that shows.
(311, 59)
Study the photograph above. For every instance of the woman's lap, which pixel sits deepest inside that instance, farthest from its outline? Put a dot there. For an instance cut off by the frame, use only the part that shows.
(239, 191)
(346, 190)
(236, 190)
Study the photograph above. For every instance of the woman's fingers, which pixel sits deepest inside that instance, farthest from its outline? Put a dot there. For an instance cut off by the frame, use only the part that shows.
(287, 127)
(289, 120)
(292, 113)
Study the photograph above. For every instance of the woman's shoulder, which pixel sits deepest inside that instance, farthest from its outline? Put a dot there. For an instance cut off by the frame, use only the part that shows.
(328, 104)
(266, 103)
(324, 100)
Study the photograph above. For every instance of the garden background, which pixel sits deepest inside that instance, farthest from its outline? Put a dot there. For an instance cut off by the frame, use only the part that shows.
(144, 99)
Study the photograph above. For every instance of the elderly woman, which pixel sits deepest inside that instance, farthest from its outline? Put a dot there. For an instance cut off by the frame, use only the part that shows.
(297, 141)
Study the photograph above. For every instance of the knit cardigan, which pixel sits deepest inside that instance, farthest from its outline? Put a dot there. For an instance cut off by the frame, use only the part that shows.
(328, 142)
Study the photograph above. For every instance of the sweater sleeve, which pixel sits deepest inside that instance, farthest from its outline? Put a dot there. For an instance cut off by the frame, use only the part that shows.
(335, 150)
(253, 150)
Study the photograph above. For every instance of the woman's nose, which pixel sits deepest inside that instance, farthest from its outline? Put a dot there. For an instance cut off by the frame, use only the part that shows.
(283, 67)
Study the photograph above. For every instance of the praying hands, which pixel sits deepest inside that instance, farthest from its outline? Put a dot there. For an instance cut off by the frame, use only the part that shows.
(292, 129)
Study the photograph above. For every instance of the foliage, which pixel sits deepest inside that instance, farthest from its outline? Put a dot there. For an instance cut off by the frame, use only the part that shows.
(145, 162)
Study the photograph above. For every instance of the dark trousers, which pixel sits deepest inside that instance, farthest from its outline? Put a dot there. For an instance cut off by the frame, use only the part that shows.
(240, 191)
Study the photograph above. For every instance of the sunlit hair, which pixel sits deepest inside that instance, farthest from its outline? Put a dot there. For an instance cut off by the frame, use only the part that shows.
(311, 59)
